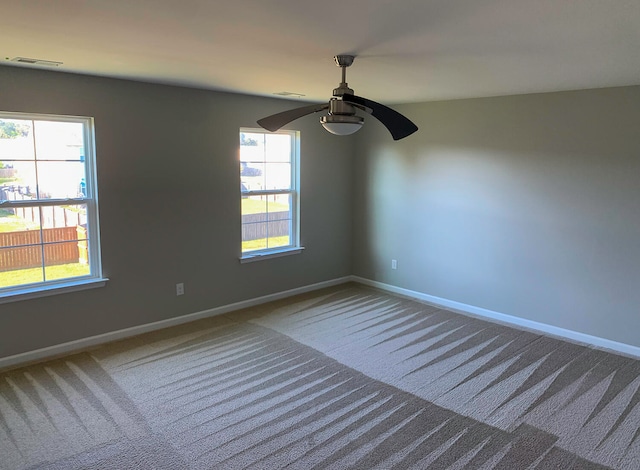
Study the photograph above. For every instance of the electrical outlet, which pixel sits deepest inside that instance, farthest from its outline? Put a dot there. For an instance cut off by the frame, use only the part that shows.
(180, 288)
(394, 264)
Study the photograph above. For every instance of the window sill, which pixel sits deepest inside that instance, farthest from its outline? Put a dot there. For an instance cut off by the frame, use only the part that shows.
(55, 289)
(251, 257)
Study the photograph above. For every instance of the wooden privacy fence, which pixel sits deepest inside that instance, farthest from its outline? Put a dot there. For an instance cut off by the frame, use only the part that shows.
(256, 227)
(22, 250)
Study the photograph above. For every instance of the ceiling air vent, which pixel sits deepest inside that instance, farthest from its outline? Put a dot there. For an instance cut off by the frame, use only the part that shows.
(27, 60)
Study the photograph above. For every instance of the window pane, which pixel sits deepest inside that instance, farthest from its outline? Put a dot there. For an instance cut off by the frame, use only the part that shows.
(254, 236)
(254, 209)
(16, 139)
(65, 224)
(279, 216)
(68, 216)
(20, 249)
(251, 176)
(59, 140)
(65, 260)
(22, 265)
(278, 233)
(19, 223)
(251, 147)
(278, 176)
(251, 140)
(8, 174)
(278, 148)
(17, 180)
(254, 228)
(279, 207)
(61, 179)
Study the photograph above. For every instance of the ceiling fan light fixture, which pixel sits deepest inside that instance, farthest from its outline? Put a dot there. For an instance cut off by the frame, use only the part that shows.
(341, 125)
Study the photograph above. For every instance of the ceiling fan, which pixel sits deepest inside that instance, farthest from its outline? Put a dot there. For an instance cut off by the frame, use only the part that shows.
(341, 118)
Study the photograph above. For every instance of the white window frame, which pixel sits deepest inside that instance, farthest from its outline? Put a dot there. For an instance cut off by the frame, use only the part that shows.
(294, 225)
(95, 277)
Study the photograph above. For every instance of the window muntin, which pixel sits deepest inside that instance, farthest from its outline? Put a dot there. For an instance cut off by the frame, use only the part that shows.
(48, 205)
(269, 191)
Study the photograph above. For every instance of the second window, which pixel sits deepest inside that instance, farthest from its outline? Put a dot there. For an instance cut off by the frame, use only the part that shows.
(269, 191)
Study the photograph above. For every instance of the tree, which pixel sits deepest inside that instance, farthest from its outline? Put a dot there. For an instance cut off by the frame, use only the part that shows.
(12, 129)
(248, 141)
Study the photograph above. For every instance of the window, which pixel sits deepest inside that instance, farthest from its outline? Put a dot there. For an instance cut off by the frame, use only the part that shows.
(269, 192)
(48, 205)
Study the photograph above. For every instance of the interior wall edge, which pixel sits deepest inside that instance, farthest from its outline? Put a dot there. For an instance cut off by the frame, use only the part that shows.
(595, 342)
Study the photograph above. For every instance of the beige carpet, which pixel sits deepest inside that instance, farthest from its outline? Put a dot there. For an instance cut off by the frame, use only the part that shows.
(347, 377)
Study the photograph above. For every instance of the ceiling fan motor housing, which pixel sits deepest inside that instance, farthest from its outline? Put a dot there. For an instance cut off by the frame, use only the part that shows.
(340, 107)
(341, 112)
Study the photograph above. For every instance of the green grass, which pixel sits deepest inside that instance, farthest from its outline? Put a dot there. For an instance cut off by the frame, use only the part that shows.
(261, 243)
(16, 224)
(13, 223)
(19, 277)
(256, 206)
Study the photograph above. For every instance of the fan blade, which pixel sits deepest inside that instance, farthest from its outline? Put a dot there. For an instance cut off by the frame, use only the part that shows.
(276, 121)
(399, 126)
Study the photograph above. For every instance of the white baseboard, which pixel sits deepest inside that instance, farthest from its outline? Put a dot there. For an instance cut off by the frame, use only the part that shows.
(574, 336)
(92, 341)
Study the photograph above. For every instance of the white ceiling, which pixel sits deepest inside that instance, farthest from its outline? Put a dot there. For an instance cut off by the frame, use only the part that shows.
(407, 50)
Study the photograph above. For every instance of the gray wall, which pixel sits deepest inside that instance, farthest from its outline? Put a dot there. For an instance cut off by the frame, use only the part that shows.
(525, 205)
(168, 184)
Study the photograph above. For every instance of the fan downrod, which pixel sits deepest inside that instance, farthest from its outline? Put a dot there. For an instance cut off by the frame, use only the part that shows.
(343, 61)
